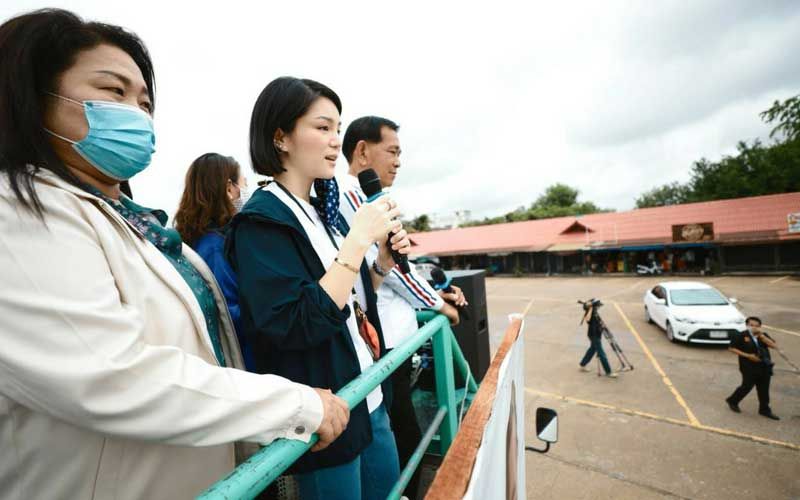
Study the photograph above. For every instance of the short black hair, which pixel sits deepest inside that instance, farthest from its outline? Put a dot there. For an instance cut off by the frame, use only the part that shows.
(366, 128)
(282, 102)
(752, 318)
(35, 49)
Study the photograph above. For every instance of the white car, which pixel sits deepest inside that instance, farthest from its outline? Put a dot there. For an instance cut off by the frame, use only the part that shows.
(693, 312)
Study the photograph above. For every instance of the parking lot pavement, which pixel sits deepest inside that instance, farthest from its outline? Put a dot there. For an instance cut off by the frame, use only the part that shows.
(662, 430)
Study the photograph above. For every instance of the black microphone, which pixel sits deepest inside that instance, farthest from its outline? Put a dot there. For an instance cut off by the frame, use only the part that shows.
(442, 282)
(371, 185)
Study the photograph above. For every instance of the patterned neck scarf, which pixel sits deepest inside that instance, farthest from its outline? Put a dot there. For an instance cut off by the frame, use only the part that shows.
(150, 223)
(326, 202)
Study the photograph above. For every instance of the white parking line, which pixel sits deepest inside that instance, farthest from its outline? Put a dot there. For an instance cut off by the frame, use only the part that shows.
(778, 280)
(624, 290)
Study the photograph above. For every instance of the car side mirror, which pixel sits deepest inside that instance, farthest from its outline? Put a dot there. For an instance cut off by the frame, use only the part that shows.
(661, 301)
(546, 428)
(734, 300)
(547, 425)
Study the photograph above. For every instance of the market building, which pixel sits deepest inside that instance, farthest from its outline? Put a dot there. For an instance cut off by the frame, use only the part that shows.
(757, 234)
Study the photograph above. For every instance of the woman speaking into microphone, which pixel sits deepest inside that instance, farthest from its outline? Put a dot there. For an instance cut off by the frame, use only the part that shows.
(307, 296)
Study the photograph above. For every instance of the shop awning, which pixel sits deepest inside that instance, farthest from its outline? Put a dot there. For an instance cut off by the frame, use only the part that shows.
(566, 247)
(625, 248)
(642, 248)
(691, 245)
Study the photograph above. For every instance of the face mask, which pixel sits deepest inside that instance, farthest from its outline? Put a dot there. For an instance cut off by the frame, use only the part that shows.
(244, 195)
(121, 140)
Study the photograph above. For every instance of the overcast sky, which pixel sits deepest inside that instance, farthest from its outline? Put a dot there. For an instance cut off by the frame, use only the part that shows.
(494, 104)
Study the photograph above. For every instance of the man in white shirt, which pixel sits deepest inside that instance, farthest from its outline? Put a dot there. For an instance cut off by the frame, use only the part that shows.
(372, 142)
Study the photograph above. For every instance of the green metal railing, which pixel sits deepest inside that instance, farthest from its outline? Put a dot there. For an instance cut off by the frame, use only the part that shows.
(250, 478)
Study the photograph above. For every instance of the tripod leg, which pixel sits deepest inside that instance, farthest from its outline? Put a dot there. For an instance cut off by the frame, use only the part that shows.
(623, 359)
(612, 341)
(630, 366)
(617, 350)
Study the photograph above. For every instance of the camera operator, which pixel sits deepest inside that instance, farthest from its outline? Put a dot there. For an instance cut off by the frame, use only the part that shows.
(755, 363)
(595, 334)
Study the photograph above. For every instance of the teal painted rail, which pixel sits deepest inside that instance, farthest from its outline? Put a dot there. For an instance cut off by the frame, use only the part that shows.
(250, 478)
(416, 457)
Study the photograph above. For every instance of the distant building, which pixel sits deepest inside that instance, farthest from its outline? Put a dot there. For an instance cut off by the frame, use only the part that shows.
(760, 233)
(449, 220)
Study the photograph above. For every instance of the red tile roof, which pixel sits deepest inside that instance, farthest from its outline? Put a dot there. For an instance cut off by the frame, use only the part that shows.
(755, 219)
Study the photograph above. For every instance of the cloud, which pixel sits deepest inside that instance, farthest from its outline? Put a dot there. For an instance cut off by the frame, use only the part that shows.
(495, 102)
(673, 68)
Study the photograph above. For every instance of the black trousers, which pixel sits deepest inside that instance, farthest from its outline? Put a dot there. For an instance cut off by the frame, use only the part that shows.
(760, 379)
(404, 422)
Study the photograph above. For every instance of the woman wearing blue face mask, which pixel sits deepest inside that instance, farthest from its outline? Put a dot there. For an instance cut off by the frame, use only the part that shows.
(117, 374)
(215, 190)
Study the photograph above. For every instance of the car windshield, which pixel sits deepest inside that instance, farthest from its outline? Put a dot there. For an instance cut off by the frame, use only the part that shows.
(697, 297)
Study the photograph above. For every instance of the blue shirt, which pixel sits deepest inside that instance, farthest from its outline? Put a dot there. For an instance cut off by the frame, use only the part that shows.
(210, 247)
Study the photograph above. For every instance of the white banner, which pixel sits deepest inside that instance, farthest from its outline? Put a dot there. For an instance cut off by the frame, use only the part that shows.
(499, 471)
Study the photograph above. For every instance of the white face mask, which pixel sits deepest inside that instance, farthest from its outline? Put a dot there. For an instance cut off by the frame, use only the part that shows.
(244, 195)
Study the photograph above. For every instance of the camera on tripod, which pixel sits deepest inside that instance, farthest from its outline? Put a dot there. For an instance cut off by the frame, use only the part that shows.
(587, 304)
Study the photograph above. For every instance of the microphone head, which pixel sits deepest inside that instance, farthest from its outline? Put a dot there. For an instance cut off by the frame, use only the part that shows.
(438, 276)
(370, 182)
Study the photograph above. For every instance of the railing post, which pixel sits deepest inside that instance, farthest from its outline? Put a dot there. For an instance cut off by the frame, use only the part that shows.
(462, 364)
(445, 385)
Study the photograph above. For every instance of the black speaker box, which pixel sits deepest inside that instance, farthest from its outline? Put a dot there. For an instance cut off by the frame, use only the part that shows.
(473, 334)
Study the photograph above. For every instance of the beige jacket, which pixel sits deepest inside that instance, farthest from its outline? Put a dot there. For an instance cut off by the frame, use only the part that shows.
(109, 387)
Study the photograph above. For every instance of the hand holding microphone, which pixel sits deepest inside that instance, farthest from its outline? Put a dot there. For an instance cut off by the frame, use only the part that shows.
(451, 293)
(374, 221)
(397, 244)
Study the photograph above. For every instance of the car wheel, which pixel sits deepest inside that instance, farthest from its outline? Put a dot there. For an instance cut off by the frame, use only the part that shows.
(670, 333)
(647, 316)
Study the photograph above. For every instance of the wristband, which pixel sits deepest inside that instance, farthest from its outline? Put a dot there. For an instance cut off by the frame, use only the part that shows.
(378, 269)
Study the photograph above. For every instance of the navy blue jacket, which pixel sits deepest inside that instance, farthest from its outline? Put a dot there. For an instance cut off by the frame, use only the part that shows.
(595, 331)
(293, 327)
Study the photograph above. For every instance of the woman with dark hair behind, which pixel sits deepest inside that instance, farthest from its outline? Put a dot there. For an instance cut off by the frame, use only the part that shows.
(308, 298)
(117, 374)
(125, 188)
(214, 191)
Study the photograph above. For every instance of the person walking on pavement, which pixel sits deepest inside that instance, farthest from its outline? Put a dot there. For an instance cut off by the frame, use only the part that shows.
(755, 363)
(595, 334)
